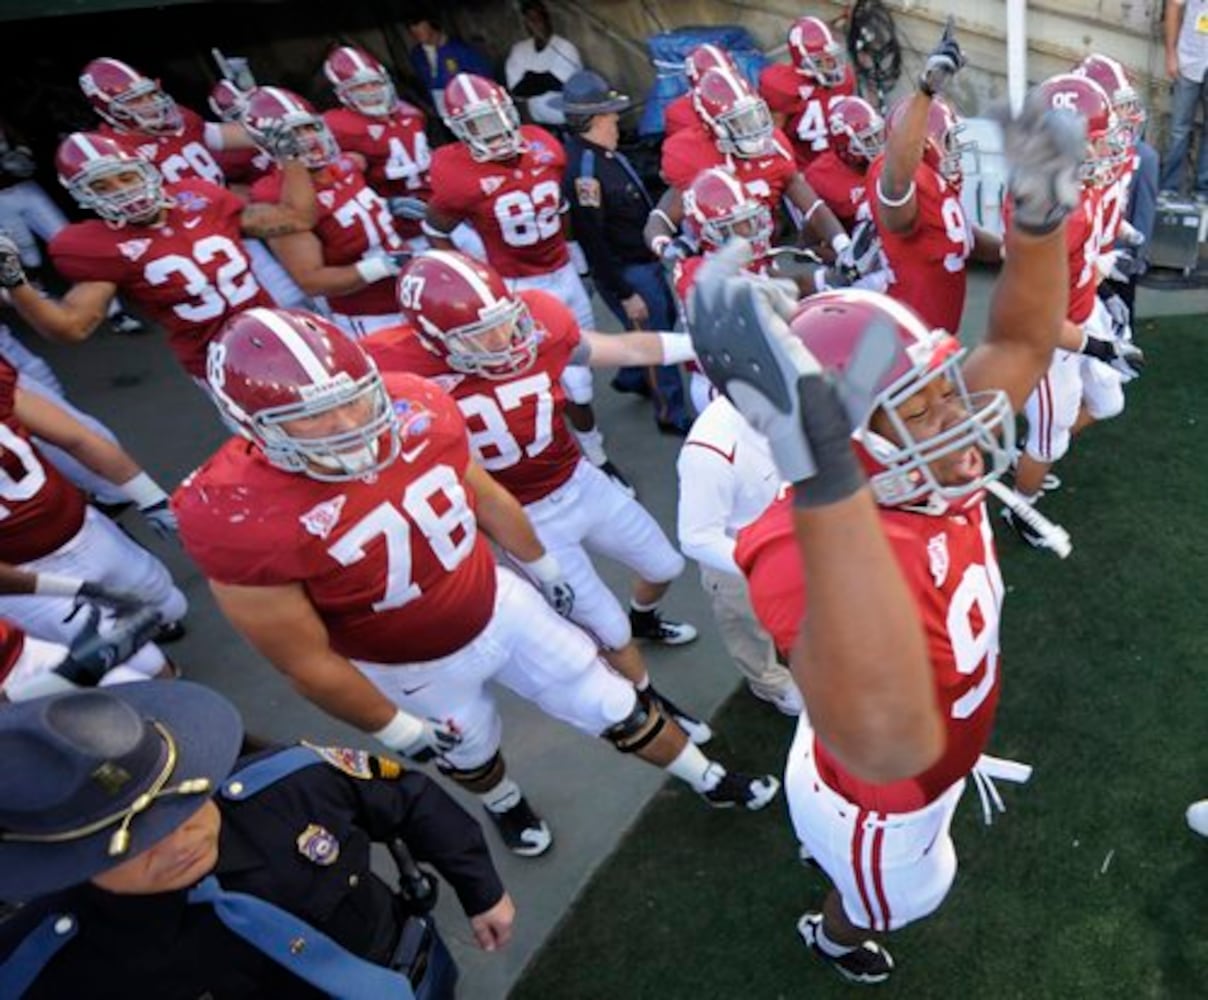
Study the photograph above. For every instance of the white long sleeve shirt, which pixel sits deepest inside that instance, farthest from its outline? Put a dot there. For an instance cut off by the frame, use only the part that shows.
(727, 479)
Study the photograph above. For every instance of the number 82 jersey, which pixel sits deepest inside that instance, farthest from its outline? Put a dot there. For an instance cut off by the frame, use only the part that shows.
(515, 205)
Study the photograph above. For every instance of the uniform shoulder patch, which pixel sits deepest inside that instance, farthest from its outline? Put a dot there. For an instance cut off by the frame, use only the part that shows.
(587, 192)
(358, 764)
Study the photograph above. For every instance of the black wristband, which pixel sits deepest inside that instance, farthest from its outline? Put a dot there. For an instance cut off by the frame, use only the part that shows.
(925, 88)
(828, 429)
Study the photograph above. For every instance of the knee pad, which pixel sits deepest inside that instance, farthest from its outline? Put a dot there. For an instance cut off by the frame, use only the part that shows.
(638, 729)
(476, 779)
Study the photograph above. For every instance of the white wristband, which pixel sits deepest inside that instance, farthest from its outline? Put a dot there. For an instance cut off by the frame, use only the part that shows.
(374, 269)
(840, 242)
(52, 585)
(677, 347)
(144, 491)
(401, 731)
(545, 569)
(657, 244)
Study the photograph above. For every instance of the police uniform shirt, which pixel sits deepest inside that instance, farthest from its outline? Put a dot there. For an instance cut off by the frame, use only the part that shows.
(609, 206)
(302, 844)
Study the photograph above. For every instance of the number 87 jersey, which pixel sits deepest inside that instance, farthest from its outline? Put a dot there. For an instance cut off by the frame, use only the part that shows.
(515, 204)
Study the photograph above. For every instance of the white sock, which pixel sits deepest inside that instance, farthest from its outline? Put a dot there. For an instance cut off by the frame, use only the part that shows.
(696, 769)
(829, 947)
(642, 609)
(592, 444)
(502, 797)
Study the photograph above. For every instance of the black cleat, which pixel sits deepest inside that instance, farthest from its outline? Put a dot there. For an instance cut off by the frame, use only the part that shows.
(867, 963)
(738, 789)
(1025, 533)
(652, 626)
(169, 632)
(697, 729)
(523, 831)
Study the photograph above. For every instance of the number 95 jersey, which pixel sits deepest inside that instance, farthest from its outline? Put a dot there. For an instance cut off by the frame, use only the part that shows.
(189, 275)
(393, 563)
(951, 568)
(515, 205)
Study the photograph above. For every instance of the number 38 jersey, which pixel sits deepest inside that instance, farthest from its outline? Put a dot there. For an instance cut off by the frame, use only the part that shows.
(928, 262)
(515, 205)
(516, 427)
(393, 563)
(189, 274)
(950, 565)
(184, 156)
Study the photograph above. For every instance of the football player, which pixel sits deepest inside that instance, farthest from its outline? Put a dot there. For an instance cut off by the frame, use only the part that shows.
(505, 179)
(48, 528)
(344, 534)
(926, 234)
(800, 94)
(681, 113)
(353, 253)
(180, 257)
(867, 409)
(839, 174)
(387, 132)
(501, 355)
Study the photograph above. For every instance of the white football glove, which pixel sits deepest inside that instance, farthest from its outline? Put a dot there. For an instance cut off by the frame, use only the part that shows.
(12, 273)
(555, 587)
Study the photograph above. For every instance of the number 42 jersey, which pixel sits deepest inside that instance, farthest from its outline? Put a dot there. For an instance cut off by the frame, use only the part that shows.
(515, 205)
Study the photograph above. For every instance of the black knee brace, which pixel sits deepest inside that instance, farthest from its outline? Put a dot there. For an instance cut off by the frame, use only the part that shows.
(477, 779)
(639, 728)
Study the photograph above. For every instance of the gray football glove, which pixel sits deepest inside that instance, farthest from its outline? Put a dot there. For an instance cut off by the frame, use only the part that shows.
(944, 62)
(12, 273)
(414, 209)
(863, 254)
(1126, 358)
(92, 654)
(436, 740)
(280, 142)
(122, 602)
(1043, 147)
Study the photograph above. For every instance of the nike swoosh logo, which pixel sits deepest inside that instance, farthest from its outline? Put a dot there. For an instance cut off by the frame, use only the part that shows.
(414, 453)
(414, 689)
(192, 223)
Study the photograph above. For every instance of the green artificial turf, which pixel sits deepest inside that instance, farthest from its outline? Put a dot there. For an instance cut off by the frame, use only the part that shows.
(1090, 885)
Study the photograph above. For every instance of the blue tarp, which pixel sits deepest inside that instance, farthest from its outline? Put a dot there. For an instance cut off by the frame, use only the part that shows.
(668, 52)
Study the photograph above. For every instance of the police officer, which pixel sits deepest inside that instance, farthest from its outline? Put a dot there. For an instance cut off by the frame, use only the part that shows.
(156, 872)
(609, 205)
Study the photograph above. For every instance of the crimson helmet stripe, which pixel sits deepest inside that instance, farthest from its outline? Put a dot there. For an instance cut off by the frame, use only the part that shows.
(299, 348)
(467, 274)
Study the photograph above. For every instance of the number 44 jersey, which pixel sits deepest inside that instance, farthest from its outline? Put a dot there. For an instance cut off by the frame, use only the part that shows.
(189, 273)
(393, 563)
(515, 205)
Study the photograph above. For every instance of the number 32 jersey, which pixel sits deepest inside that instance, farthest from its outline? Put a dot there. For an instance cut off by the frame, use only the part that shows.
(515, 205)
(189, 274)
(516, 427)
(393, 563)
(950, 565)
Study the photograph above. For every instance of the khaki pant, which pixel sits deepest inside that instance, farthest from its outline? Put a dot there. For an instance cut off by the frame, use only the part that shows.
(746, 641)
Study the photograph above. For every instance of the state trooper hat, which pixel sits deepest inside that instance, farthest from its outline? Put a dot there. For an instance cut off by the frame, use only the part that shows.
(587, 93)
(93, 777)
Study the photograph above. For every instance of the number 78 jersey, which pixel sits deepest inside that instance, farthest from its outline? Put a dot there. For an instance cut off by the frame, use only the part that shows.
(515, 205)
(393, 563)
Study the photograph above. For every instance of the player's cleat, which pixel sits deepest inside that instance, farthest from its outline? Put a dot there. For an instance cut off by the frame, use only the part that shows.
(734, 788)
(123, 322)
(1026, 534)
(866, 963)
(523, 831)
(652, 626)
(1051, 482)
(698, 730)
(169, 632)
(787, 700)
(1197, 817)
(613, 473)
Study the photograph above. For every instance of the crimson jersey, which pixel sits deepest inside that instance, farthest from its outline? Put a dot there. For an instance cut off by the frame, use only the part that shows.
(951, 567)
(180, 157)
(841, 186)
(681, 114)
(927, 264)
(515, 205)
(396, 153)
(189, 274)
(39, 509)
(12, 644)
(393, 563)
(517, 431)
(353, 221)
(687, 153)
(244, 166)
(1113, 202)
(1083, 241)
(805, 105)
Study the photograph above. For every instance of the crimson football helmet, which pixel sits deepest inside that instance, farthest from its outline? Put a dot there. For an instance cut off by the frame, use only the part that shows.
(1125, 101)
(737, 116)
(273, 109)
(268, 368)
(720, 206)
(85, 159)
(125, 98)
(361, 82)
(227, 101)
(704, 58)
(815, 52)
(944, 146)
(980, 427)
(857, 131)
(481, 114)
(1106, 144)
(462, 311)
